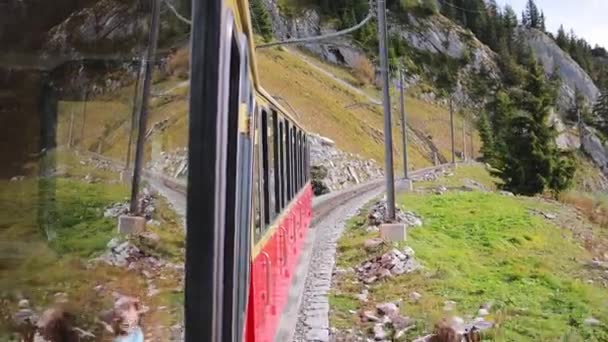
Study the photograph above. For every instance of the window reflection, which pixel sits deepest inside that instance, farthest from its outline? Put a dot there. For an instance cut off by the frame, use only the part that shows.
(70, 96)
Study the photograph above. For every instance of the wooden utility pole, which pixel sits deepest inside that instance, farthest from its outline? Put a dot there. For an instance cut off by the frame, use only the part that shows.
(388, 135)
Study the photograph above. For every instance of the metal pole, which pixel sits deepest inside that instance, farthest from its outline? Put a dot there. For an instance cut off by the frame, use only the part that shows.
(388, 135)
(143, 114)
(452, 132)
(403, 124)
(464, 139)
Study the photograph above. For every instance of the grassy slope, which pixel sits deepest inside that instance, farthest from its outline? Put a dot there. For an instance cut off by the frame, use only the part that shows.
(37, 268)
(483, 247)
(321, 103)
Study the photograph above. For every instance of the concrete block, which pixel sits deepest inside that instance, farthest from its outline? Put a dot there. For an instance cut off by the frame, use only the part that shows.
(131, 224)
(408, 185)
(393, 232)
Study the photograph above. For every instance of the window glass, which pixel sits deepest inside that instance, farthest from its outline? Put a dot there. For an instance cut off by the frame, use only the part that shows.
(271, 167)
(277, 162)
(266, 162)
(74, 88)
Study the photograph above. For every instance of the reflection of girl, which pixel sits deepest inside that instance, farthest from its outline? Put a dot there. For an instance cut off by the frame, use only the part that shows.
(134, 335)
(127, 313)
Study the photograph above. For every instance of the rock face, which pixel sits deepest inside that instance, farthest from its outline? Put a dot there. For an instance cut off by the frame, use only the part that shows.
(437, 34)
(554, 58)
(307, 23)
(595, 149)
(338, 169)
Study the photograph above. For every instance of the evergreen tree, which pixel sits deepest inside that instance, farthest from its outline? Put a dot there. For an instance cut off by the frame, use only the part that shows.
(600, 110)
(262, 24)
(532, 15)
(579, 107)
(487, 138)
(562, 38)
(541, 22)
(525, 153)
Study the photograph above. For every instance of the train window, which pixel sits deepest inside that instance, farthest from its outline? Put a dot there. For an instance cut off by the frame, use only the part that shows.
(266, 162)
(257, 179)
(298, 162)
(271, 167)
(293, 162)
(282, 164)
(277, 160)
(287, 144)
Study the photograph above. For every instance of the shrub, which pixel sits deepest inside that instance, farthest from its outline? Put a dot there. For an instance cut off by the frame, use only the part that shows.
(179, 63)
(364, 70)
(595, 208)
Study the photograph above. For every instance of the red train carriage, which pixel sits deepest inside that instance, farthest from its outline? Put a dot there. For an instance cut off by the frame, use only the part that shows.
(249, 197)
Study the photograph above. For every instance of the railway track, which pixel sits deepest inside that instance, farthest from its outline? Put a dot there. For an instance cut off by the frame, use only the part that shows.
(313, 273)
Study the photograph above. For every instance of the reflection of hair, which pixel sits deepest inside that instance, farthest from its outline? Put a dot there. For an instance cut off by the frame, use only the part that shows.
(55, 325)
(127, 311)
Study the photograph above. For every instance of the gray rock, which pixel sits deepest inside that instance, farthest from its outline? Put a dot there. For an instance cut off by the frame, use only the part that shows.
(379, 332)
(369, 316)
(415, 296)
(553, 58)
(387, 309)
(24, 304)
(373, 245)
(449, 305)
(483, 312)
(592, 321)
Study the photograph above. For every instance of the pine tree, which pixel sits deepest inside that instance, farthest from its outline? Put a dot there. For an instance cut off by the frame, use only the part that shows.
(600, 111)
(528, 159)
(487, 138)
(541, 22)
(532, 15)
(562, 38)
(262, 24)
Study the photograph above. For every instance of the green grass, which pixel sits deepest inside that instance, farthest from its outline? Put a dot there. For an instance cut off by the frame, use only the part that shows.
(484, 247)
(476, 172)
(51, 227)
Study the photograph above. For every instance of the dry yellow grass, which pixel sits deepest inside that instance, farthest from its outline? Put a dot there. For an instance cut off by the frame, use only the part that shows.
(327, 107)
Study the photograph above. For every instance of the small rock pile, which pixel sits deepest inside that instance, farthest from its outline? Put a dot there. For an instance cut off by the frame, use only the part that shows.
(387, 318)
(455, 329)
(173, 164)
(392, 263)
(116, 209)
(341, 169)
(120, 253)
(101, 164)
(146, 204)
(378, 215)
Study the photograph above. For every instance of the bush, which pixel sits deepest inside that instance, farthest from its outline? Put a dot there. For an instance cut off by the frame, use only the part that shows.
(595, 208)
(179, 63)
(364, 70)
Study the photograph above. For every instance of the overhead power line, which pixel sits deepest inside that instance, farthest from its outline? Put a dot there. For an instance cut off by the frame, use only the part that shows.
(443, 2)
(321, 37)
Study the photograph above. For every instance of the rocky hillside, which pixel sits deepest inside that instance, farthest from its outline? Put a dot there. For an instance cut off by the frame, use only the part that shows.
(435, 46)
(553, 59)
